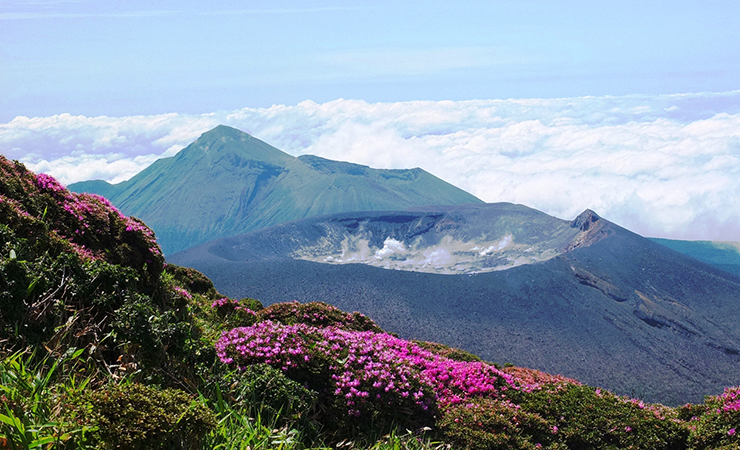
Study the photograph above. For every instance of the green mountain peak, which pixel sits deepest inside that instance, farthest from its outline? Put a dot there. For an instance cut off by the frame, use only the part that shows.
(228, 145)
(228, 182)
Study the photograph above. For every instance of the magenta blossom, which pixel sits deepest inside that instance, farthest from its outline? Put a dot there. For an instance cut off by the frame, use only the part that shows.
(364, 367)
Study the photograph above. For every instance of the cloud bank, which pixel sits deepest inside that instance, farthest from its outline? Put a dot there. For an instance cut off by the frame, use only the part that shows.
(665, 166)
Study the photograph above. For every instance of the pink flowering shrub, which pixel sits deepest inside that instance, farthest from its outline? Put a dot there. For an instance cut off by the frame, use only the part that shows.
(368, 377)
(363, 376)
(75, 271)
(182, 292)
(42, 212)
(47, 183)
(37, 206)
(718, 426)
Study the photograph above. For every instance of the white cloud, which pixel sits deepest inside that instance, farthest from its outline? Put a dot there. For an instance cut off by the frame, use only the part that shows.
(664, 166)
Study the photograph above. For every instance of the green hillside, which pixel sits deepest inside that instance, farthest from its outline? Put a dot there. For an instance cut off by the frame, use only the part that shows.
(227, 183)
(724, 255)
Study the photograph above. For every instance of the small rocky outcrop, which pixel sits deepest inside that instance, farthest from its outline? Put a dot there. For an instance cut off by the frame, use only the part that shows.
(585, 220)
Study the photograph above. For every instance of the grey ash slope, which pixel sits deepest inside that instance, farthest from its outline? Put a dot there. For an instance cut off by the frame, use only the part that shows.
(611, 308)
(228, 182)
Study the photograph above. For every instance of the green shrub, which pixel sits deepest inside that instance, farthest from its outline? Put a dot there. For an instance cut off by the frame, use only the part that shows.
(251, 303)
(719, 425)
(588, 418)
(491, 424)
(317, 314)
(236, 313)
(448, 352)
(134, 416)
(264, 389)
(76, 272)
(191, 279)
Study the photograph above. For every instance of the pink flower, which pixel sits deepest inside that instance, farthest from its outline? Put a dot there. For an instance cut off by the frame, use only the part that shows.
(48, 183)
(366, 364)
(183, 292)
(731, 432)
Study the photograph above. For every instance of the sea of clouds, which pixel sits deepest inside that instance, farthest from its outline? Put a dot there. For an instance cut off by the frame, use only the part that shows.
(664, 166)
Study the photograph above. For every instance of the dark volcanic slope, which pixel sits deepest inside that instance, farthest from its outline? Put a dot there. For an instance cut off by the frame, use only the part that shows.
(228, 182)
(616, 310)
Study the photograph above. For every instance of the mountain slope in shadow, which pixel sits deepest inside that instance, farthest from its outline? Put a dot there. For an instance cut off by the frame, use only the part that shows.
(596, 302)
(228, 182)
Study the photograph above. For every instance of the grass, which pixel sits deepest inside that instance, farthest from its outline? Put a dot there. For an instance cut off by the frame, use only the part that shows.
(34, 413)
(31, 415)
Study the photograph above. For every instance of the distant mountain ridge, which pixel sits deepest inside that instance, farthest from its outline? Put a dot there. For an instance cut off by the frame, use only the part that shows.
(725, 255)
(228, 182)
(583, 298)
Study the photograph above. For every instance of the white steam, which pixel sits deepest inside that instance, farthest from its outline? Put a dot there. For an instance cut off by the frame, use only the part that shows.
(448, 256)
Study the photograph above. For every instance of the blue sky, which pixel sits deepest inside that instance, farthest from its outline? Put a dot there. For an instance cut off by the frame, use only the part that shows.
(99, 57)
(630, 108)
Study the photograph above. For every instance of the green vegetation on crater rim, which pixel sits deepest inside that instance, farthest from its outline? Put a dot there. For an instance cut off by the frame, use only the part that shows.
(131, 353)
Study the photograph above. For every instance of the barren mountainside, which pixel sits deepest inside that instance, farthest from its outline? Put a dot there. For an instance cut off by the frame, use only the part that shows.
(586, 298)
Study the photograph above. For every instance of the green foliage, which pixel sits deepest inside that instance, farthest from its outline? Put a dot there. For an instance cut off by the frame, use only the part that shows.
(251, 303)
(236, 313)
(251, 416)
(588, 418)
(317, 314)
(563, 415)
(32, 396)
(718, 426)
(192, 280)
(448, 352)
(490, 424)
(75, 272)
(135, 416)
(262, 389)
(66, 257)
